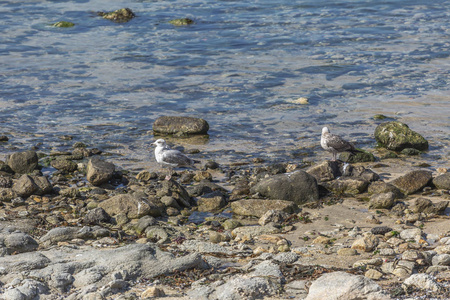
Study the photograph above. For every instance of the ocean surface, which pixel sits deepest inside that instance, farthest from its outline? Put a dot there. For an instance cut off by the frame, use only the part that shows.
(242, 66)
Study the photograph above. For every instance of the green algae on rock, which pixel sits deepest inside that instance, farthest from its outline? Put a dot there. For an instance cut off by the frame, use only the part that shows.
(120, 16)
(181, 22)
(63, 24)
(361, 156)
(398, 136)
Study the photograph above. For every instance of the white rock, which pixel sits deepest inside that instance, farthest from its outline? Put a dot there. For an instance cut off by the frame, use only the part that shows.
(423, 282)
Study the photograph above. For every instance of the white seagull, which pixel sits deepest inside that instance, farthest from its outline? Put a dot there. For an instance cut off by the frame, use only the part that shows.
(170, 157)
(335, 144)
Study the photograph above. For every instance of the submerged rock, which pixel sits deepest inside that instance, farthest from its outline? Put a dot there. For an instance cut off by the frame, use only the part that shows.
(167, 125)
(120, 16)
(181, 22)
(63, 24)
(398, 136)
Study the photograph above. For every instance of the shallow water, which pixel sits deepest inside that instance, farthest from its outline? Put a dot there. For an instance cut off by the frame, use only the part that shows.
(241, 67)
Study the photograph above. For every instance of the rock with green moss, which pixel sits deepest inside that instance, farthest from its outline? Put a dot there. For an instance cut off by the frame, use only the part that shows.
(379, 117)
(120, 16)
(362, 156)
(63, 24)
(398, 136)
(181, 22)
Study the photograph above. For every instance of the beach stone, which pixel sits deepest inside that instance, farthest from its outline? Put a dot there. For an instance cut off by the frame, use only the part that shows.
(204, 247)
(412, 181)
(273, 215)
(202, 175)
(169, 125)
(245, 287)
(170, 202)
(175, 190)
(419, 205)
(249, 232)
(146, 176)
(7, 194)
(70, 192)
(411, 234)
(381, 187)
(347, 185)
(382, 230)
(397, 136)
(321, 240)
(368, 262)
(22, 162)
(441, 260)
(367, 243)
(218, 237)
(382, 201)
(442, 181)
(28, 185)
(423, 282)
(258, 207)
(153, 292)
(361, 156)
(343, 286)
(99, 171)
(373, 274)
(64, 165)
(119, 16)
(17, 242)
(298, 187)
(231, 224)
(287, 257)
(6, 182)
(347, 252)
(325, 171)
(132, 206)
(96, 216)
(442, 249)
(27, 289)
(211, 203)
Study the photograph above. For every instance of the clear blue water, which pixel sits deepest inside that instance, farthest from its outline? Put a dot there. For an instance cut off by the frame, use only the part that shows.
(240, 67)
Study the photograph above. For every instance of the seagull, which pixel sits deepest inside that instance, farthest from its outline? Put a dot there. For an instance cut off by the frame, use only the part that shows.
(170, 157)
(335, 144)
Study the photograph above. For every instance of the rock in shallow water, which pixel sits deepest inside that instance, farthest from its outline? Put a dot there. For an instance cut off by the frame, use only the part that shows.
(397, 136)
(180, 125)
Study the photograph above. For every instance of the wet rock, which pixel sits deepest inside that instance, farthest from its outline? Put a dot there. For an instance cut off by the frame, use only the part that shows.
(217, 237)
(361, 156)
(273, 215)
(398, 136)
(170, 202)
(410, 151)
(64, 165)
(23, 162)
(325, 171)
(4, 138)
(175, 190)
(17, 242)
(146, 176)
(298, 187)
(413, 181)
(120, 16)
(423, 282)
(96, 216)
(28, 185)
(342, 286)
(380, 187)
(211, 202)
(202, 175)
(381, 230)
(367, 243)
(258, 207)
(210, 164)
(419, 205)
(6, 182)
(180, 125)
(204, 187)
(99, 171)
(63, 24)
(181, 22)
(70, 192)
(132, 206)
(382, 201)
(442, 181)
(346, 185)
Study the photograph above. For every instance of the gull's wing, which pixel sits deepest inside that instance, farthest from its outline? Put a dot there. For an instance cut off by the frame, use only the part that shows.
(338, 143)
(175, 157)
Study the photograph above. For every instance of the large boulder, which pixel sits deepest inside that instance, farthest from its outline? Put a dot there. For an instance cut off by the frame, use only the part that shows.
(180, 125)
(258, 207)
(23, 162)
(28, 185)
(413, 181)
(343, 286)
(99, 171)
(132, 206)
(298, 187)
(398, 136)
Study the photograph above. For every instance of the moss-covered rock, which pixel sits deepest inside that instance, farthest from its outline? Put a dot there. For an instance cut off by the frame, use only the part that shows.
(63, 24)
(361, 156)
(181, 22)
(398, 136)
(120, 16)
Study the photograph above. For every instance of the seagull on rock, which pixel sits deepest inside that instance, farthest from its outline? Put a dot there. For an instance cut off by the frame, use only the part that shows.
(170, 157)
(335, 144)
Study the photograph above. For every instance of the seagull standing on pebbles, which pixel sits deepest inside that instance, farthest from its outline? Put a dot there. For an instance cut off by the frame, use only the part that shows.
(335, 144)
(169, 157)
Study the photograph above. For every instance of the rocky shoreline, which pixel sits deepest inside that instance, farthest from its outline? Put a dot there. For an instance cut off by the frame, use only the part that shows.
(73, 226)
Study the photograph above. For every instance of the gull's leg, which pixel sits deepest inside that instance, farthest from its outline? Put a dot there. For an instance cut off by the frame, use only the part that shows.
(169, 176)
(334, 155)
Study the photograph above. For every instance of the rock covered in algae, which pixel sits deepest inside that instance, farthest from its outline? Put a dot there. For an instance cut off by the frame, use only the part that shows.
(181, 22)
(63, 24)
(120, 16)
(397, 136)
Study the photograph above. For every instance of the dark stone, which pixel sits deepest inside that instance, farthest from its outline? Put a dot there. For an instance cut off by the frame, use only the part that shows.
(64, 165)
(410, 152)
(174, 189)
(23, 162)
(381, 187)
(397, 136)
(180, 125)
(382, 230)
(361, 156)
(442, 181)
(119, 16)
(99, 172)
(96, 216)
(4, 138)
(181, 22)
(210, 164)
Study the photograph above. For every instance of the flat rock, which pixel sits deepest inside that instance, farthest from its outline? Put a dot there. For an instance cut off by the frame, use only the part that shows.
(23, 162)
(343, 286)
(298, 187)
(258, 207)
(132, 206)
(346, 185)
(249, 232)
(398, 136)
(413, 181)
(180, 125)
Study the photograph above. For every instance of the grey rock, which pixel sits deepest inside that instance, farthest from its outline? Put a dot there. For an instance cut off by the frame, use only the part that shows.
(61, 281)
(382, 201)
(170, 202)
(59, 234)
(267, 268)
(298, 187)
(258, 207)
(211, 202)
(423, 282)
(286, 257)
(347, 185)
(99, 171)
(343, 286)
(273, 215)
(180, 125)
(441, 260)
(7, 194)
(132, 206)
(413, 181)
(18, 242)
(23, 162)
(398, 136)
(5, 182)
(411, 234)
(253, 231)
(326, 171)
(175, 190)
(204, 187)
(380, 187)
(442, 181)
(27, 289)
(64, 165)
(242, 287)
(143, 223)
(204, 247)
(96, 216)
(28, 185)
